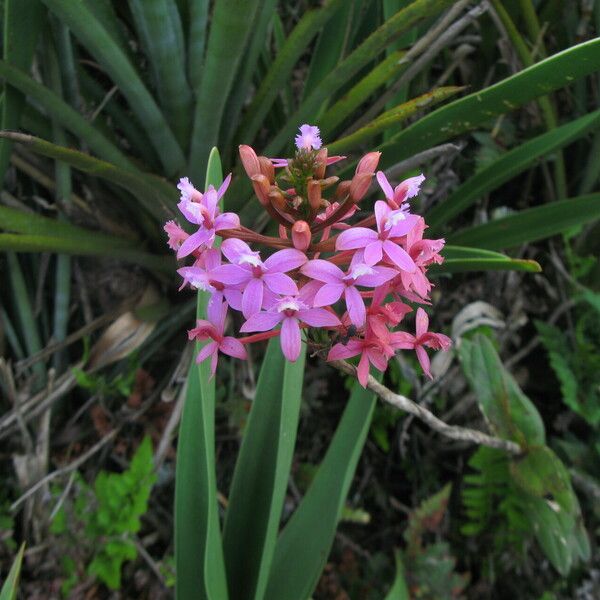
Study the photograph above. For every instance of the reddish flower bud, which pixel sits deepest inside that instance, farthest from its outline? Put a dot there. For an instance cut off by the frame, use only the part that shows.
(261, 187)
(314, 194)
(342, 190)
(267, 168)
(277, 200)
(326, 183)
(301, 235)
(360, 186)
(249, 160)
(368, 163)
(320, 163)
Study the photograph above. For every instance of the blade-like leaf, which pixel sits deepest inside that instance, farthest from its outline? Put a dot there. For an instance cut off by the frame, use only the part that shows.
(10, 587)
(198, 550)
(399, 590)
(458, 259)
(102, 46)
(481, 107)
(304, 544)
(531, 224)
(198, 21)
(392, 117)
(507, 166)
(261, 475)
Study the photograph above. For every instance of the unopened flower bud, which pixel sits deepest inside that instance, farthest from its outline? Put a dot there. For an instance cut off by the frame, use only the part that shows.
(267, 168)
(277, 200)
(368, 163)
(301, 235)
(320, 163)
(249, 161)
(314, 194)
(326, 183)
(360, 186)
(342, 191)
(261, 187)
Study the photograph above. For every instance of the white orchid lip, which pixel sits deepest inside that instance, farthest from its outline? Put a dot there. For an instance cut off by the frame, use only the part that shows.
(289, 304)
(250, 259)
(359, 270)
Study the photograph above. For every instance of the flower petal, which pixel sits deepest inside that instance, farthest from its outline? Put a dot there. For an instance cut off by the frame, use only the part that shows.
(223, 188)
(318, 317)
(230, 274)
(227, 221)
(373, 253)
(233, 347)
(252, 297)
(355, 306)
(357, 237)
(262, 321)
(206, 351)
(341, 351)
(329, 294)
(381, 275)
(424, 361)
(384, 184)
(363, 370)
(279, 283)
(422, 322)
(403, 227)
(322, 270)
(382, 211)
(194, 242)
(399, 256)
(285, 260)
(290, 338)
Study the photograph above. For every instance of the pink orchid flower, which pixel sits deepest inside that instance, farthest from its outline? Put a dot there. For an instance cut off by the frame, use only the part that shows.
(406, 189)
(309, 138)
(202, 210)
(253, 275)
(176, 235)
(207, 330)
(338, 284)
(377, 244)
(290, 311)
(401, 340)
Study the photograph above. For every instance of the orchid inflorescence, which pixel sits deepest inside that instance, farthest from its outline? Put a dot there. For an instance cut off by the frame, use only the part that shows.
(343, 284)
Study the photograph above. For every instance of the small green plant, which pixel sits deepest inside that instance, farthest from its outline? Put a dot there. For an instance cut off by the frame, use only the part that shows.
(103, 519)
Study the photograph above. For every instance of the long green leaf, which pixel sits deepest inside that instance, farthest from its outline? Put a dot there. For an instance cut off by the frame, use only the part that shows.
(392, 117)
(507, 166)
(531, 224)
(279, 72)
(478, 108)
(231, 24)
(10, 587)
(155, 194)
(304, 544)
(261, 475)
(376, 42)
(59, 110)
(198, 549)
(102, 46)
(458, 260)
(399, 589)
(198, 22)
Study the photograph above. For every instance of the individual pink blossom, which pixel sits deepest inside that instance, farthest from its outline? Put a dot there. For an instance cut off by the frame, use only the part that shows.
(338, 284)
(176, 235)
(403, 191)
(207, 330)
(290, 311)
(309, 138)
(402, 340)
(377, 244)
(253, 275)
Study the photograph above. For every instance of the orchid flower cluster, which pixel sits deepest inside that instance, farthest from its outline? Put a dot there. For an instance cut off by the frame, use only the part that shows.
(344, 285)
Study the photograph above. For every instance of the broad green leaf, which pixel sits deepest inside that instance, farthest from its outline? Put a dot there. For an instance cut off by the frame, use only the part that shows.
(483, 106)
(232, 23)
(279, 72)
(508, 166)
(109, 54)
(160, 29)
(531, 224)
(10, 587)
(68, 117)
(510, 413)
(22, 23)
(305, 542)
(198, 25)
(155, 194)
(392, 117)
(399, 590)
(261, 475)
(360, 57)
(458, 259)
(199, 560)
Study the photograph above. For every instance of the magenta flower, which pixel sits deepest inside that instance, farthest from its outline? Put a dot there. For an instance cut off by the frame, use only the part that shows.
(309, 138)
(338, 284)
(176, 235)
(401, 340)
(253, 275)
(290, 311)
(207, 330)
(202, 210)
(377, 244)
(406, 189)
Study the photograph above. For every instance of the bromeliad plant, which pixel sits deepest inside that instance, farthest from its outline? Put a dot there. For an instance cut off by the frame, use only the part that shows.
(365, 270)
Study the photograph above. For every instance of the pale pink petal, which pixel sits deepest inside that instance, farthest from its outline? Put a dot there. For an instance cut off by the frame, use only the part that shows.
(318, 317)
(355, 306)
(363, 370)
(214, 359)
(234, 298)
(285, 260)
(206, 351)
(263, 321)
(385, 185)
(342, 351)
(373, 253)
(357, 237)
(381, 275)
(227, 220)
(401, 340)
(223, 187)
(422, 322)
(210, 200)
(216, 311)
(329, 294)
(322, 270)
(382, 211)
(202, 236)
(231, 274)
(279, 283)
(212, 258)
(377, 358)
(192, 211)
(290, 338)
(233, 347)
(403, 227)
(399, 256)
(252, 297)
(308, 292)
(424, 361)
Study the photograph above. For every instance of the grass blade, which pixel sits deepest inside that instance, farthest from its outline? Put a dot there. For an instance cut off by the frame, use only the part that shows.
(10, 587)
(458, 259)
(198, 549)
(261, 475)
(304, 544)
(531, 224)
(108, 53)
(197, 40)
